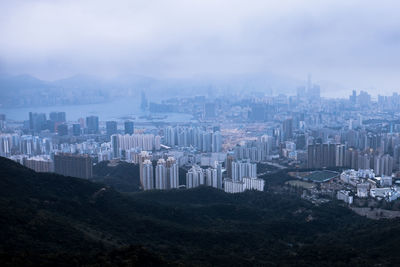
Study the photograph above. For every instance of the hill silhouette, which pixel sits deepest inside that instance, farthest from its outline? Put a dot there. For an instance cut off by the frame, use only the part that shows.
(47, 219)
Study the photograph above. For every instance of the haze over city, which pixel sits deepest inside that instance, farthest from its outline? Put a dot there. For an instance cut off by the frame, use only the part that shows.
(344, 44)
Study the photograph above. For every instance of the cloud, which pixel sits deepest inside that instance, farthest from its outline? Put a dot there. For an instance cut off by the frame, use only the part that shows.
(355, 43)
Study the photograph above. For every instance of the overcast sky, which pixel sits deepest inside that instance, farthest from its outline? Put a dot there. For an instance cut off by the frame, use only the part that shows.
(353, 43)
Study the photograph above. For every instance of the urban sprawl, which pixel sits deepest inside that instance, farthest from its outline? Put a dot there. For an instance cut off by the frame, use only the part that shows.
(348, 148)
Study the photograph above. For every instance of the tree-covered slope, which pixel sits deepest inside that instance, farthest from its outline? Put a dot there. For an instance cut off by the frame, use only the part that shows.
(47, 217)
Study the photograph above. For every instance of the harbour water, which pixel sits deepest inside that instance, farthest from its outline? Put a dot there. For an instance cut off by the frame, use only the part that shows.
(121, 109)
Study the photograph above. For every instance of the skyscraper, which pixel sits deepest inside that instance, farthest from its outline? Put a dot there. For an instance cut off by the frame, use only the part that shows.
(216, 142)
(170, 136)
(322, 155)
(287, 128)
(129, 127)
(383, 165)
(194, 177)
(76, 129)
(147, 175)
(37, 122)
(92, 124)
(161, 175)
(211, 177)
(58, 117)
(111, 127)
(218, 168)
(62, 129)
(207, 142)
(2, 121)
(242, 169)
(229, 160)
(172, 173)
(209, 111)
(115, 145)
(143, 104)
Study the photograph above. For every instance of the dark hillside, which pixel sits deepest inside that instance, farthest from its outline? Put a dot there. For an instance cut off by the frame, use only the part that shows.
(48, 217)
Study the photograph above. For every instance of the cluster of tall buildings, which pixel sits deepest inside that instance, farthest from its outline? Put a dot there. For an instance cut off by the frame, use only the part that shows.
(243, 168)
(39, 122)
(321, 155)
(74, 165)
(242, 175)
(112, 127)
(57, 123)
(164, 175)
(336, 155)
(123, 143)
(303, 131)
(204, 141)
(198, 176)
(15, 144)
(256, 151)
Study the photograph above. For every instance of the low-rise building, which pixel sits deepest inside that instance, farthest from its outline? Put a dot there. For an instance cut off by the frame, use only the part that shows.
(344, 196)
(388, 193)
(386, 181)
(362, 190)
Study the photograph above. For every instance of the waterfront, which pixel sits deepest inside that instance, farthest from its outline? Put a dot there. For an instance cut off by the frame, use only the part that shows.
(121, 109)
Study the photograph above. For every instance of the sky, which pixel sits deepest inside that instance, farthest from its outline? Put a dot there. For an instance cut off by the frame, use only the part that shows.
(352, 43)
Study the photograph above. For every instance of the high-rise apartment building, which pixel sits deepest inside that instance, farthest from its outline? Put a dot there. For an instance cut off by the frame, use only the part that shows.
(147, 178)
(161, 175)
(76, 129)
(37, 122)
(287, 129)
(172, 173)
(58, 117)
(128, 127)
(62, 129)
(92, 124)
(74, 165)
(195, 177)
(111, 128)
(216, 142)
(242, 169)
(321, 155)
(39, 164)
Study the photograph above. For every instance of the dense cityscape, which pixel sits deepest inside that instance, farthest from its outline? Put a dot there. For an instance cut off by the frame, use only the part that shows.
(351, 144)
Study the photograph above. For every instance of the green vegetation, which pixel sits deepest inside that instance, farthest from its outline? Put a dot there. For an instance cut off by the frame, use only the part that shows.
(53, 220)
(123, 177)
(321, 176)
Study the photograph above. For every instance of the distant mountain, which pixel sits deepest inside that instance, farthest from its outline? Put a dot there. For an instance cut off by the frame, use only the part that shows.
(20, 84)
(27, 91)
(48, 219)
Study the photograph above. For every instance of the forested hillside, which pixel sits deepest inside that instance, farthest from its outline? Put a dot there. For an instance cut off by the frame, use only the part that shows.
(54, 220)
